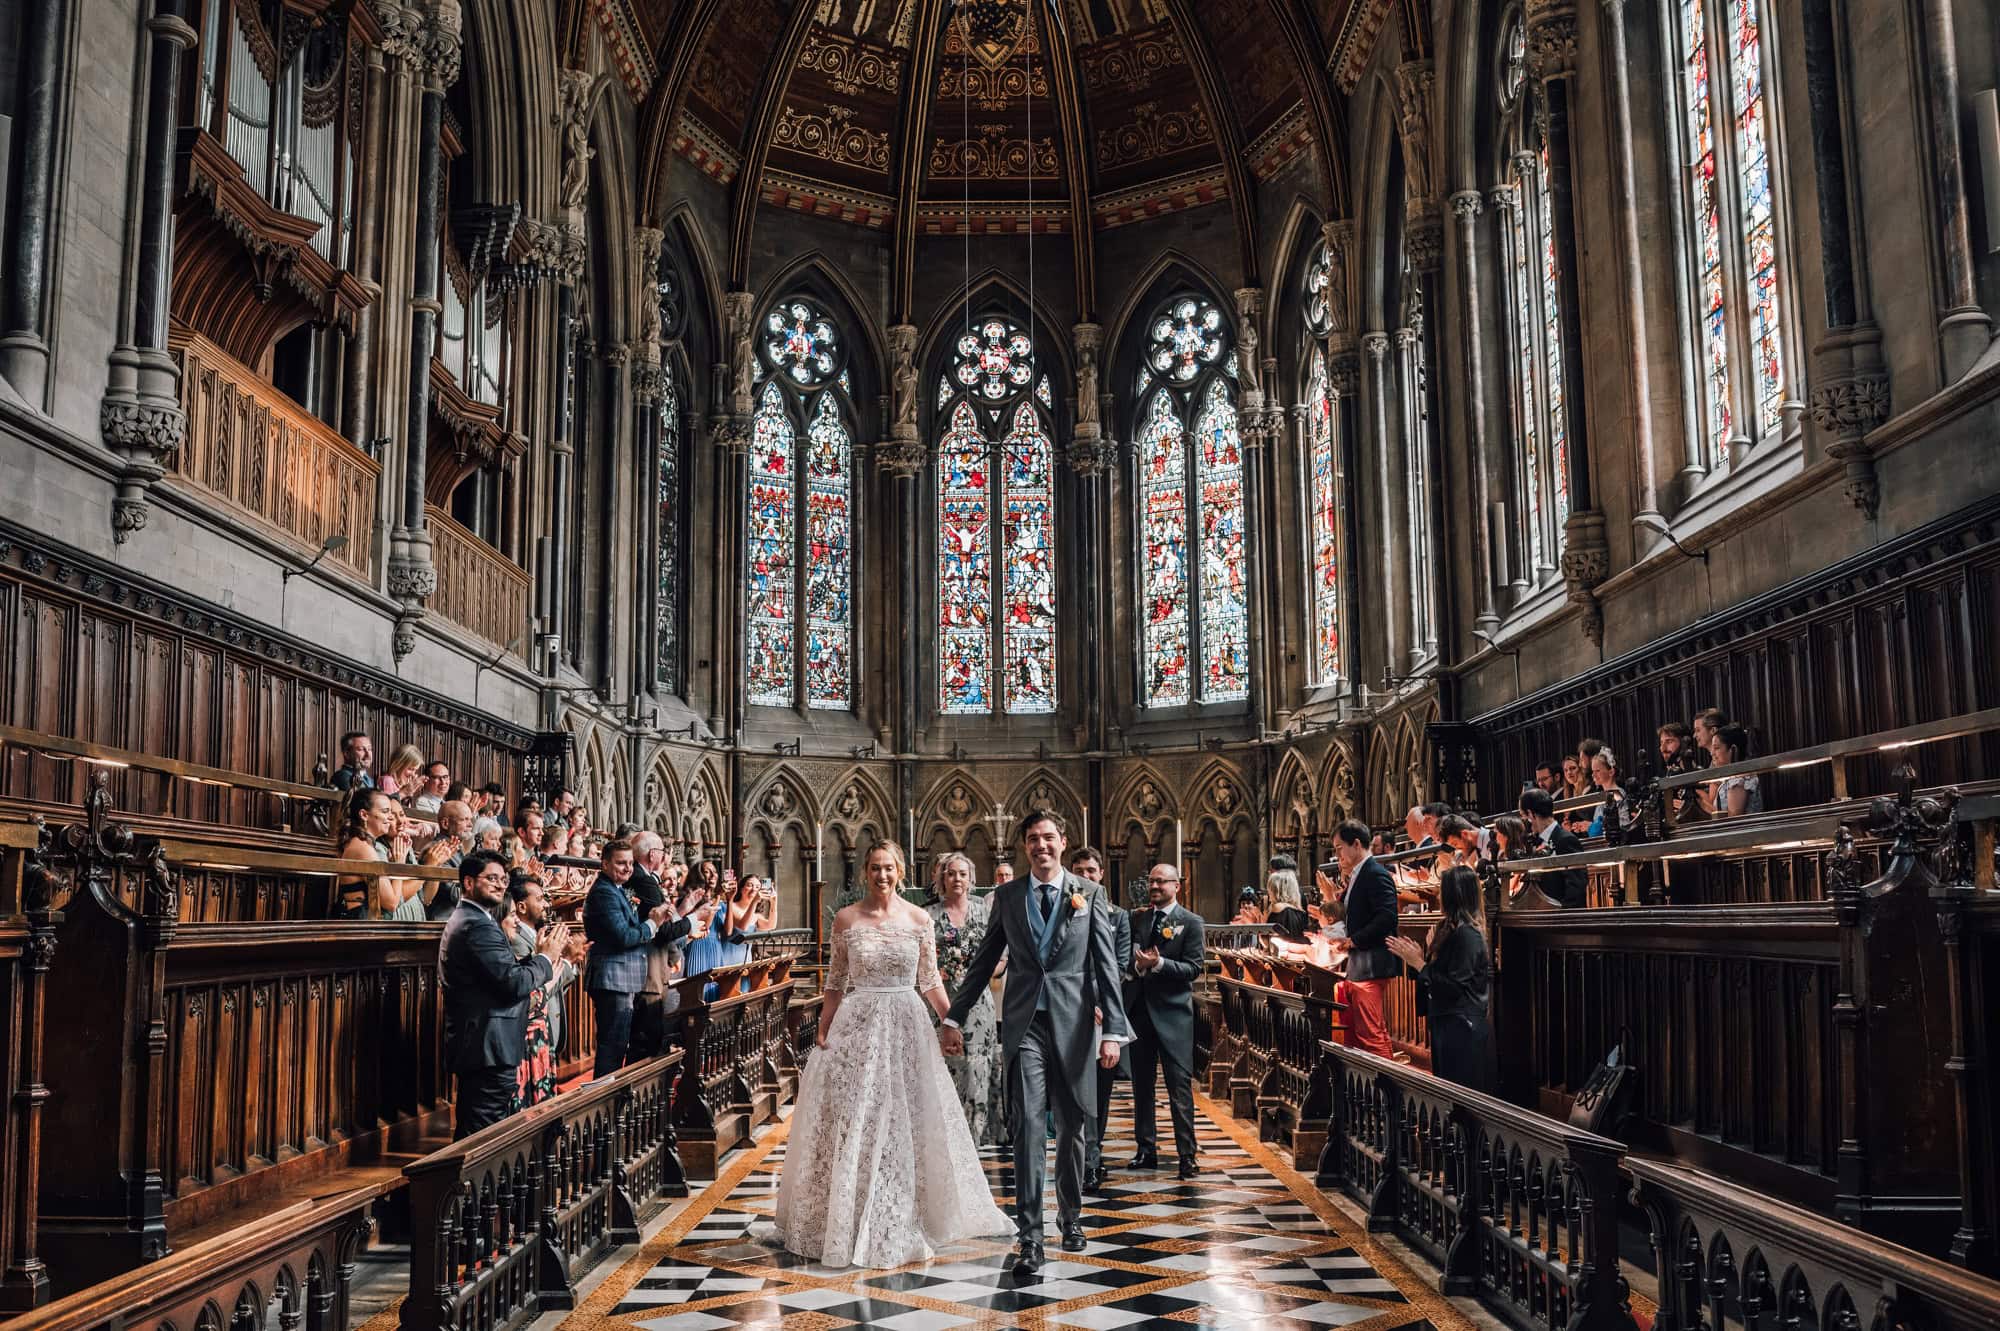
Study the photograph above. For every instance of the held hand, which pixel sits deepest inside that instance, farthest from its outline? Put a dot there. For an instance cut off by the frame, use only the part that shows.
(1327, 890)
(819, 1038)
(951, 1040)
(1107, 1054)
(440, 850)
(660, 914)
(553, 941)
(1407, 950)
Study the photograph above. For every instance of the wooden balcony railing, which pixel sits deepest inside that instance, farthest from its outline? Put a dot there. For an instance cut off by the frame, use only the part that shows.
(263, 455)
(478, 588)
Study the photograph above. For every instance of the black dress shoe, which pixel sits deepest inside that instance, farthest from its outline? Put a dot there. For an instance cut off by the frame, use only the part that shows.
(1094, 1182)
(1027, 1257)
(1188, 1169)
(1145, 1160)
(1072, 1240)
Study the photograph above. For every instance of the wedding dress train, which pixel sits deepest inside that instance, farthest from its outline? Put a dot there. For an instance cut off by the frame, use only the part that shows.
(880, 1169)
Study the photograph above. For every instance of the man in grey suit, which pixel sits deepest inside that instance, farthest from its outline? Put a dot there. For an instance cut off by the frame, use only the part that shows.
(619, 937)
(1055, 932)
(1088, 862)
(1165, 965)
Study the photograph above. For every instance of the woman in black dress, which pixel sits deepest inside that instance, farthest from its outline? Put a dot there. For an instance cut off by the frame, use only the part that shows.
(1454, 981)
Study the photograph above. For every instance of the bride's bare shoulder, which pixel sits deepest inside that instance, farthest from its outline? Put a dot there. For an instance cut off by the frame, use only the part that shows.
(844, 918)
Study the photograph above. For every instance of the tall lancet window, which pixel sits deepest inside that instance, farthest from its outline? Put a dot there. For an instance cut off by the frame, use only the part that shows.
(1732, 225)
(669, 588)
(996, 608)
(1192, 514)
(801, 568)
(1535, 329)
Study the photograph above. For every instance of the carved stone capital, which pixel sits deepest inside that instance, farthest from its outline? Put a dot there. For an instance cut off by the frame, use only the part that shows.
(649, 381)
(1343, 373)
(548, 250)
(442, 43)
(616, 355)
(732, 435)
(1466, 206)
(1423, 237)
(412, 578)
(1586, 562)
(1551, 33)
(145, 430)
(1376, 345)
(1504, 198)
(1094, 457)
(903, 459)
(402, 31)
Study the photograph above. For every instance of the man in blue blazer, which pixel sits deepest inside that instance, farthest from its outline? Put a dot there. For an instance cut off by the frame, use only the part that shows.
(485, 990)
(619, 937)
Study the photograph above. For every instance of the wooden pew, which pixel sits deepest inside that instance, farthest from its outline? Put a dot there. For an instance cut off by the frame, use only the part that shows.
(181, 789)
(738, 1070)
(1800, 1049)
(287, 1268)
(27, 947)
(1968, 907)
(1513, 1208)
(267, 1061)
(1274, 1014)
(1726, 1252)
(505, 1222)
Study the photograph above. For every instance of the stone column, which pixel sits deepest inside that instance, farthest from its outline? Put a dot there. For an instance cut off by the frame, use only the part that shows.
(24, 355)
(1465, 207)
(1091, 458)
(412, 576)
(561, 454)
(140, 417)
(1376, 345)
(1586, 559)
(1256, 429)
(358, 409)
(1964, 331)
(1624, 205)
(1344, 378)
(903, 456)
(1850, 394)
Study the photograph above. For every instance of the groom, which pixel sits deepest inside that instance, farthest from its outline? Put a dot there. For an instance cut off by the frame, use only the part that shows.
(1055, 930)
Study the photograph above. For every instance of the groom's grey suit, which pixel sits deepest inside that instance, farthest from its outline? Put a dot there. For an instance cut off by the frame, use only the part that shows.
(1059, 967)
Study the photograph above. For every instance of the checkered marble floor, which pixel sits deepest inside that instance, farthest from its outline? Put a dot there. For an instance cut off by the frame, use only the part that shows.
(1247, 1245)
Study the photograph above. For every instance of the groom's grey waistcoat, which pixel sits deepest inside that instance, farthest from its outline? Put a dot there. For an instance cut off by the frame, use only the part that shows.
(1079, 972)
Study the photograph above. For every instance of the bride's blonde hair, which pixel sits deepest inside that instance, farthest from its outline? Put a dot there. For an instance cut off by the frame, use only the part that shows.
(894, 852)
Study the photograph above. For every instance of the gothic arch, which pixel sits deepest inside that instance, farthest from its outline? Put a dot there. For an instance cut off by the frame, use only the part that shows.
(1378, 796)
(816, 274)
(955, 806)
(1294, 797)
(1046, 789)
(783, 799)
(1301, 232)
(686, 239)
(1146, 801)
(1340, 793)
(1123, 345)
(705, 812)
(1218, 798)
(508, 73)
(861, 807)
(660, 801)
(620, 803)
(992, 289)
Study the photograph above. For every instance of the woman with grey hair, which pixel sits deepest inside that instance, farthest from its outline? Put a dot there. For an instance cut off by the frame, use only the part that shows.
(1283, 887)
(960, 921)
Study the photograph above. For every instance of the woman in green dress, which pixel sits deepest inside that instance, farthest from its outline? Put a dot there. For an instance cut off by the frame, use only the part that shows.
(960, 920)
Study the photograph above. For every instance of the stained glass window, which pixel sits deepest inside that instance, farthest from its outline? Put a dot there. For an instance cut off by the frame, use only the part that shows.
(1325, 532)
(829, 557)
(1028, 561)
(1732, 234)
(1193, 513)
(773, 530)
(800, 575)
(1540, 495)
(667, 545)
(996, 617)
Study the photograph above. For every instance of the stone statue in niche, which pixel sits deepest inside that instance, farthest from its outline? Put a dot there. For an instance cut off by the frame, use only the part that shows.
(903, 349)
(742, 354)
(1249, 362)
(577, 152)
(1147, 802)
(1087, 340)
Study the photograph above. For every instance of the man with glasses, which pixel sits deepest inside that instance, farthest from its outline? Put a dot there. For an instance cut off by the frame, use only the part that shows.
(1166, 962)
(486, 991)
(437, 785)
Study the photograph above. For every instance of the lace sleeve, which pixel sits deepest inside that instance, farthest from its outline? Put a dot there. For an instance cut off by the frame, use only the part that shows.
(927, 965)
(836, 970)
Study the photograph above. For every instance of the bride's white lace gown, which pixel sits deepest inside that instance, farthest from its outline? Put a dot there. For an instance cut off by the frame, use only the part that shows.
(880, 1169)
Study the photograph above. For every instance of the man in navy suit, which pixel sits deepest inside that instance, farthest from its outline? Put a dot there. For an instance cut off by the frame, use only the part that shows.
(485, 989)
(618, 936)
(1167, 962)
(1370, 916)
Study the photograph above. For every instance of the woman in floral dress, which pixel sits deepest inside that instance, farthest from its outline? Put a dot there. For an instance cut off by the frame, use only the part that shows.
(960, 920)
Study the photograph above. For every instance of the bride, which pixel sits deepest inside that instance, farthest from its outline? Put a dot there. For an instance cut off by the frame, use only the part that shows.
(881, 1169)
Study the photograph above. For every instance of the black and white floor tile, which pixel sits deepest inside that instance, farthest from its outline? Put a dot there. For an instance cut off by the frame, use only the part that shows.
(1243, 1247)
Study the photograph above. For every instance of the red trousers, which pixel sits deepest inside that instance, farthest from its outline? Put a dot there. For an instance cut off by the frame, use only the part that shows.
(1365, 1027)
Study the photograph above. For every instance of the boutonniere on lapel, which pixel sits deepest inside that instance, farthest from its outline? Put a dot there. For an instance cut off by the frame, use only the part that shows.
(1077, 903)
(1169, 931)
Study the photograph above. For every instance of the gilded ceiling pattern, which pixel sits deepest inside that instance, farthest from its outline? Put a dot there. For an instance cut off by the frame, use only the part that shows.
(849, 64)
(834, 136)
(1133, 64)
(1152, 133)
(989, 89)
(991, 155)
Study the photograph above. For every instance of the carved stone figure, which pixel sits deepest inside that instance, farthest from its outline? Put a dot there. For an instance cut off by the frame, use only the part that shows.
(1249, 362)
(1088, 339)
(577, 152)
(742, 354)
(903, 349)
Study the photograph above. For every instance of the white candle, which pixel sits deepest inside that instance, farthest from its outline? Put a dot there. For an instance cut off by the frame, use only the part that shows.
(819, 852)
(1179, 836)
